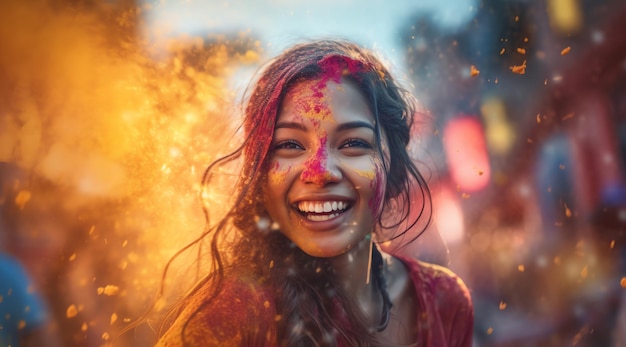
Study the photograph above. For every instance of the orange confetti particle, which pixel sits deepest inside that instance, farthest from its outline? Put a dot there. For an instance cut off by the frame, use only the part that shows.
(22, 198)
(561, 166)
(584, 272)
(105, 336)
(71, 311)
(465, 196)
(538, 118)
(113, 318)
(525, 39)
(516, 18)
(521, 268)
(108, 290)
(557, 260)
(84, 327)
(519, 69)
(568, 212)
(566, 50)
(568, 116)
(480, 173)
(622, 282)
(489, 331)
(502, 51)
(21, 325)
(72, 257)
(266, 304)
(612, 245)
(474, 71)
(521, 51)
(502, 305)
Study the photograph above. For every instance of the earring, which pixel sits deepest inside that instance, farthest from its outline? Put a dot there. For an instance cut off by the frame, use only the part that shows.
(369, 261)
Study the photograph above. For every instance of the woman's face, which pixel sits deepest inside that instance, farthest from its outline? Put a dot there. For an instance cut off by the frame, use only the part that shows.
(326, 183)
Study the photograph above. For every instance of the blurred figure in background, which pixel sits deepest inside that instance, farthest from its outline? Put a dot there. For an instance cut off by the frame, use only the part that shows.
(24, 319)
(24, 316)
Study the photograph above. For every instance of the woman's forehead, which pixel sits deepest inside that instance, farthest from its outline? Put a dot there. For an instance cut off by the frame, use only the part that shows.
(321, 99)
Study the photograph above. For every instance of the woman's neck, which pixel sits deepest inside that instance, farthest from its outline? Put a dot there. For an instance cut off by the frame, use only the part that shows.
(353, 270)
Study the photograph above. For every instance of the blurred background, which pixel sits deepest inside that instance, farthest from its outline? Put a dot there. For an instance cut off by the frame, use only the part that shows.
(111, 110)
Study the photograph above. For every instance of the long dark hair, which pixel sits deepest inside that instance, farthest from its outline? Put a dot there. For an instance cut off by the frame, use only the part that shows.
(306, 292)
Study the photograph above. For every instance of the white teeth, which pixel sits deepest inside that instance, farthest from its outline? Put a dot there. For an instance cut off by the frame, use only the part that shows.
(322, 206)
(321, 217)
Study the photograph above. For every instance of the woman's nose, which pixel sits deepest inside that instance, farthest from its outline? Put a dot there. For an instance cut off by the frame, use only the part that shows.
(321, 168)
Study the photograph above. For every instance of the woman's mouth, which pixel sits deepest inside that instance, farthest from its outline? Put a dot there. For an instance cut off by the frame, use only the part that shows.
(319, 211)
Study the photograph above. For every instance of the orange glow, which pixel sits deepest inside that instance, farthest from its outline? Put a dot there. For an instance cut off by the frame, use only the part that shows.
(466, 151)
(123, 139)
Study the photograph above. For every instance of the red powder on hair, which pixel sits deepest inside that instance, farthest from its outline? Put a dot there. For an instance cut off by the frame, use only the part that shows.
(335, 67)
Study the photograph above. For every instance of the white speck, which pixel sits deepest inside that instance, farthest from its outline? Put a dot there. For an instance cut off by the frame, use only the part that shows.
(597, 36)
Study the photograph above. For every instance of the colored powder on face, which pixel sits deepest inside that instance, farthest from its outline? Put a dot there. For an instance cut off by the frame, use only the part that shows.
(277, 176)
(369, 174)
(314, 104)
(315, 168)
(378, 187)
(311, 103)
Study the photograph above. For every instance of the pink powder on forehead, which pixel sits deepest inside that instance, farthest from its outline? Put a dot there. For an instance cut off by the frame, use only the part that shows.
(313, 103)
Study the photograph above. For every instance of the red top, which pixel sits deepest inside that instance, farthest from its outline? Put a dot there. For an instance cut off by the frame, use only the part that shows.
(245, 314)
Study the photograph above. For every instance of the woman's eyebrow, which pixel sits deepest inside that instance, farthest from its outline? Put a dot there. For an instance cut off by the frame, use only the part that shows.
(290, 125)
(354, 125)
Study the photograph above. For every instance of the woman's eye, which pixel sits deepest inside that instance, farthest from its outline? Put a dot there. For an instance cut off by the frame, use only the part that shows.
(287, 144)
(356, 143)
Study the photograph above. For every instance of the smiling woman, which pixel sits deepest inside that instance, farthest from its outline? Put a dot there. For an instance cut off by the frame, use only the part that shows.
(324, 162)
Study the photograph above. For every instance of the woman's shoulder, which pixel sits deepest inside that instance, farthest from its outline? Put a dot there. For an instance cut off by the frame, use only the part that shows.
(435, 278)
(440, 285)
(237, 312)
(238, 297)
(444, 300)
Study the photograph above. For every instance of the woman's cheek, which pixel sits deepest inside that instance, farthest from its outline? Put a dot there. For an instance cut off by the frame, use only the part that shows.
(374, 173)
(278, 173)
(377, 187)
